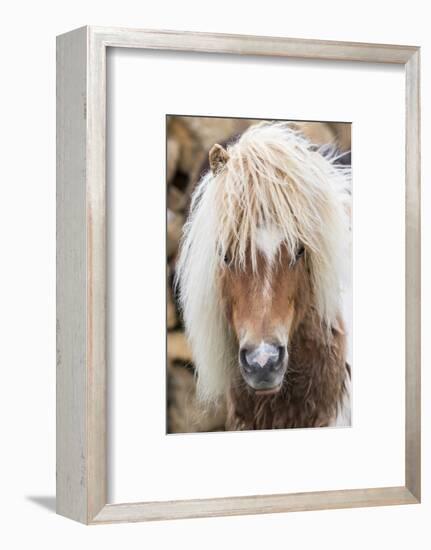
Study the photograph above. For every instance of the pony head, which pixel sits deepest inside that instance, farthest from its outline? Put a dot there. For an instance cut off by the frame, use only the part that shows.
(264, 245)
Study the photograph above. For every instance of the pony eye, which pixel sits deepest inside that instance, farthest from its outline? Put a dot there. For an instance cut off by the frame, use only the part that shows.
(300, 252)
(227, 259)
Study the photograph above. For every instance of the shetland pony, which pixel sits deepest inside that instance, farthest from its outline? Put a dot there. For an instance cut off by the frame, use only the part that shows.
(260, 275)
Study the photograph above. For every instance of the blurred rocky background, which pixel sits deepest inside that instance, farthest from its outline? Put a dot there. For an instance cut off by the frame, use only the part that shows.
(188, 142)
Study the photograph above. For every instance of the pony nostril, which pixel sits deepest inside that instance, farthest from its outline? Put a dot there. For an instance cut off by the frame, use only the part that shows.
(244, 361)
(281, 355)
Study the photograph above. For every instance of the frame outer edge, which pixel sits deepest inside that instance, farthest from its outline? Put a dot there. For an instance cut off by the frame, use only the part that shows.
(81, 274)
(219, 43)
(252, 505)
(71, 369)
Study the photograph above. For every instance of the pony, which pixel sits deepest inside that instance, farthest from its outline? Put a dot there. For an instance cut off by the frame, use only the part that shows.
(260, 273)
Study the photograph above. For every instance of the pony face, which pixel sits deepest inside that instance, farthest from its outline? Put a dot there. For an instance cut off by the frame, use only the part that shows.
(262, 307)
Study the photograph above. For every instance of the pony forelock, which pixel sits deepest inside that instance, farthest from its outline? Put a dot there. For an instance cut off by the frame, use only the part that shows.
(274, 177)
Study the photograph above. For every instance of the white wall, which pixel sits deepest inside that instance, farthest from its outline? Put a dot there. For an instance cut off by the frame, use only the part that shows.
(27, 300)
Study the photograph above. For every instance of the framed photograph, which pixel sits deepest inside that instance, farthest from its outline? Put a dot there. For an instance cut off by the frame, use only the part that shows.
(238, 275)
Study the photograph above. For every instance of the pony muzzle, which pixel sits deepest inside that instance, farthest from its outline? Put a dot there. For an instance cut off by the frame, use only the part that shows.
(263, 367)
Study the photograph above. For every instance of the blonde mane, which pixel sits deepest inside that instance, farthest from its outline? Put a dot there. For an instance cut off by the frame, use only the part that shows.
(273, 178)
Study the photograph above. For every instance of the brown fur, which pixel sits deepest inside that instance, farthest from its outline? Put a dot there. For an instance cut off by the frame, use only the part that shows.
(315, 380)
(245, 305)
(313, 387)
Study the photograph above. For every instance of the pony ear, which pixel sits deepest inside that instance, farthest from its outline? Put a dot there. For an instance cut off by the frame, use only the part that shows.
(218, 157)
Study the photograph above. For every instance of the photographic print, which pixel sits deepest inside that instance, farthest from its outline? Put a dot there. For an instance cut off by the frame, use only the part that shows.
(259, 298)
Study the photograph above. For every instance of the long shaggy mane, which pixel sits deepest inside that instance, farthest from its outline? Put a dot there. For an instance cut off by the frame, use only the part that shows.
(274, 177)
